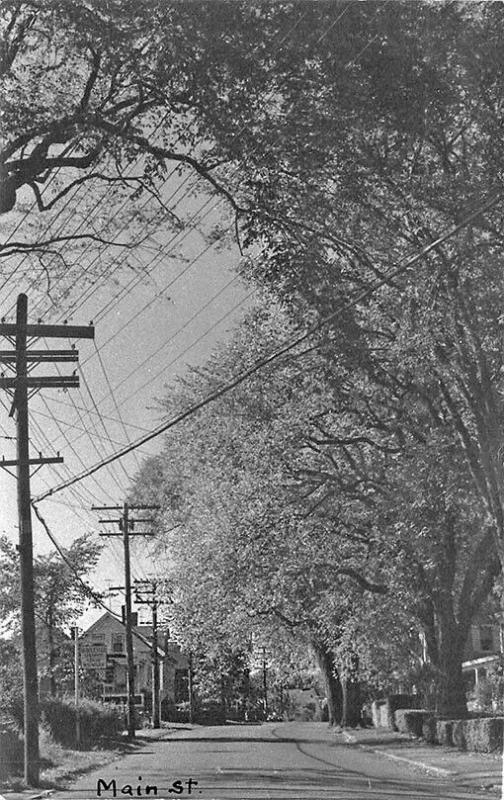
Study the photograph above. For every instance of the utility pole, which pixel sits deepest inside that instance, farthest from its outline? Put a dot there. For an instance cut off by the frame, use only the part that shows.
(77, 685)
(265, 683)
(190, 688)
(154, 602)
(126, 526)
(20, 361)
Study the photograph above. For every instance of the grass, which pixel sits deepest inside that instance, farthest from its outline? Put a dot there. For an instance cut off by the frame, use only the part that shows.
(60, 766)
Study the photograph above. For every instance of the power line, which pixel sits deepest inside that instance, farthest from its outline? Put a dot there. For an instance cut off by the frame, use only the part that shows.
(90, 592)
(286, 347)
(277, 49)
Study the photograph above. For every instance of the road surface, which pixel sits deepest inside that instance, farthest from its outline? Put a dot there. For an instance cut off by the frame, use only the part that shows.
(273, 761)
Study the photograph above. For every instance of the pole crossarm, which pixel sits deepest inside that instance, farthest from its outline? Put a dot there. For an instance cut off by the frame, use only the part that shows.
(50, 331)
(136, 533)
(41, 382)
(14, 462)
(40, 356)
(120, 508)
(131, 521)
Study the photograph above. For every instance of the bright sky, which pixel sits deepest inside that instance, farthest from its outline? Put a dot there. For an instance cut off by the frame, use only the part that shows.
(148, 329)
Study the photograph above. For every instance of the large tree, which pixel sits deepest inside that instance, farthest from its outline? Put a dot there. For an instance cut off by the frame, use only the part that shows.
(61, 595)
(295, 498)
(344, 138)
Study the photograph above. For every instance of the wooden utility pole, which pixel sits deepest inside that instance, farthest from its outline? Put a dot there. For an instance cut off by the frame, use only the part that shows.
(20, 334)
(150, 587)
(129, 628)
(77, 685)
(126, 526)
(265, 683)
(190, 688)
(30, 679)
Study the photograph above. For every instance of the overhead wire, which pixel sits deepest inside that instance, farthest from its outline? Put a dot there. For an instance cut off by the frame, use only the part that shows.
(106, 269)
(404, 264)
(50, 180)
(151, 302)
(74, 427)
(166, 366)
(87, 191)
(284, 39)
(89, 591)
(339, 16)
(91, 412)
(286, 35)
(189, 347)
(118, 410)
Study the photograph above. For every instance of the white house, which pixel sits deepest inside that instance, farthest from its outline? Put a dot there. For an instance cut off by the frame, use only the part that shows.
(103, 651)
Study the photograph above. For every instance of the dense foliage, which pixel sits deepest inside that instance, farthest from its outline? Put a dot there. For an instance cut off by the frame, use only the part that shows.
(60, 599)
(357, 486)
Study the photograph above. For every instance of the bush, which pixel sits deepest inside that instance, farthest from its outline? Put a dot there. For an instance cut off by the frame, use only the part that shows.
(210, 713)
(429, 732)
(98, 721)
(411, 720)
(484, 735)
(480, 734)
(11, 749)
(444, 730)
(396, 702)
(459, 733)
(174, 713)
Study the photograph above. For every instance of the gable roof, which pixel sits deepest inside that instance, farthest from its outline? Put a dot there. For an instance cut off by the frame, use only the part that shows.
(107, 615)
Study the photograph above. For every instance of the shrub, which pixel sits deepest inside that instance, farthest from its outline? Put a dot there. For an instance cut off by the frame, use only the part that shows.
(480, 734)
(393, 703)
(429, 732)
(172, 712)
(98, 721)
(484, 735)
(210, 713)
(11, 749)
(411, 720)
(459, 733)
(444, 728)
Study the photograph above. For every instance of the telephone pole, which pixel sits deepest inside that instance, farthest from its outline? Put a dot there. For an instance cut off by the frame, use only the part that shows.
(126, 527)
(150, 587)
(190, 687)
(77, 685)
(265, 683)
(20, 361)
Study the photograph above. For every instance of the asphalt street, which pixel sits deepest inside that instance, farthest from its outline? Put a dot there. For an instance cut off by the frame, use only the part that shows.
(273, 761)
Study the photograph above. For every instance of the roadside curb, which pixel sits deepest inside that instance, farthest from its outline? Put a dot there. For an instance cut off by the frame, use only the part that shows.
(445, 773)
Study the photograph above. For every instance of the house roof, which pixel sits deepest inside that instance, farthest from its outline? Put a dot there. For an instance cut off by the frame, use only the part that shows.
(141, 637)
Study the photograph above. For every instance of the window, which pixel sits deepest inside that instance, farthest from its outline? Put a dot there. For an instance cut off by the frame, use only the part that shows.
(117, 643)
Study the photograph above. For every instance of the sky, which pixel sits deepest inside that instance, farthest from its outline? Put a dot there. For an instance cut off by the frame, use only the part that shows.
(157, 308)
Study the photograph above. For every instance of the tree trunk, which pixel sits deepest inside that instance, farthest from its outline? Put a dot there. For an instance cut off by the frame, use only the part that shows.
(451, 699)
(351, 703)
(332, 682)
(451, 694)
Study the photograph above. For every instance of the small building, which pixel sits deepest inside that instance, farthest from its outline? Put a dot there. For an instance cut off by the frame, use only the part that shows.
(103, 652)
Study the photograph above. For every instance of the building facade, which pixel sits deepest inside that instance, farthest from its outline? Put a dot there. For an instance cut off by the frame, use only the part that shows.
(103, 653)
(483, 651)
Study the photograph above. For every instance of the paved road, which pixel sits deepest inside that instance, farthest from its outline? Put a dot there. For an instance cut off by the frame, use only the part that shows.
(274, 761)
